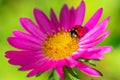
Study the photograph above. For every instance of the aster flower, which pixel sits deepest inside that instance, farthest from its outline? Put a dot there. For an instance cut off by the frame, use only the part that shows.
(48, 45)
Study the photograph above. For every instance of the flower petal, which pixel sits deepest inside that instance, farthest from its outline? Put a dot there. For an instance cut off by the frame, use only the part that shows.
(23, 57)
(96, 53)
(95, 42)
(23, 44)
(86, 69)
(60, 72)
(28, 37)
(104, 49)
(43, 21)
(20, 54)
(54, 20)
(78, 53)
(45, 66)
(71, 62)
(94, 19)
(94, 37)
(34, 64)
(91, 54)
(65, 17)
(98, 28)
(29, 26)
(72, 17)
(60, 63)
(23, 61)
(80, 13)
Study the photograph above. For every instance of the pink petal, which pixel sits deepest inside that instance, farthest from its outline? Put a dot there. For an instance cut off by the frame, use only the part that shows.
(91, 54)
(80, 13)
(23, 57)
(94, 19)
(22, 61)
(94, 37)
(86, 69)
(78, 53)
(54, 20)
(71, 62)
(23, 44)
(96, 29)
(95, 42)
(65, 17)
(96, 53)
(60, 72)
(42, 20)
(28, 66)
(31, 27)
(33, 64)
(104, 49)
(45, 66)
(95, 57)
(20, 54)
(72, 17)
(60, 63)
(28, 37)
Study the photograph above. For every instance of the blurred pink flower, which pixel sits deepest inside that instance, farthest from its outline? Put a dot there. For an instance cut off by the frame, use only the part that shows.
(48, 45)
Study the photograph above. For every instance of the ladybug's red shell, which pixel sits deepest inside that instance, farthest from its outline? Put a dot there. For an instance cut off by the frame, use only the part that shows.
(78, 31)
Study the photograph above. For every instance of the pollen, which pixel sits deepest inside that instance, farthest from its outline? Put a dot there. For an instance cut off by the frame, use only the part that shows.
(60, 45)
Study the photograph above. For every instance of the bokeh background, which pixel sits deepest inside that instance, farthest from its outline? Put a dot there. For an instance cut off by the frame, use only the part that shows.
(12, 10)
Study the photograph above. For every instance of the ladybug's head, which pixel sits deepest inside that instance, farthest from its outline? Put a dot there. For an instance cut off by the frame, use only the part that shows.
(73, 32)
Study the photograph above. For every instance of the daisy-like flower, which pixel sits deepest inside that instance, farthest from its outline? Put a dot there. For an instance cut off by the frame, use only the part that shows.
(56, 44)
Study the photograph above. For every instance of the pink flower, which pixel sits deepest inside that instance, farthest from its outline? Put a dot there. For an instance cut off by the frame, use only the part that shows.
(48, 44)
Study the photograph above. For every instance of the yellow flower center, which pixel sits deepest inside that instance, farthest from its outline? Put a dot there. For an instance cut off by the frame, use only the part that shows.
(60, 45)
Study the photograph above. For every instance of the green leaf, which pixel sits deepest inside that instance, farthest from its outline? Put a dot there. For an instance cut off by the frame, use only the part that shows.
(38, 75)
(56, 76)
(66, 76)
(81, 60)
(51, 77)
(78, 72)
(71, 72)
(91, 62)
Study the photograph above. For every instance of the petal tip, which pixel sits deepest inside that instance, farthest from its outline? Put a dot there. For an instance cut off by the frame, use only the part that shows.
(51, 10)
(100, 10)
(83, 1)
(35, 11)
(21, 69)
(29, 75)
(108, 18)
(9, 39)
(65, 6)
(109, 49)
(99, 73)
(23, 19)
(7, 54)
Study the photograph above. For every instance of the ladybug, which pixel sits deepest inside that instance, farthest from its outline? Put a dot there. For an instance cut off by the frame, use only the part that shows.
(77, 31)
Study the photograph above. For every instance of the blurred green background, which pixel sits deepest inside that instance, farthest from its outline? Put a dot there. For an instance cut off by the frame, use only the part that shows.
(12, 10)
